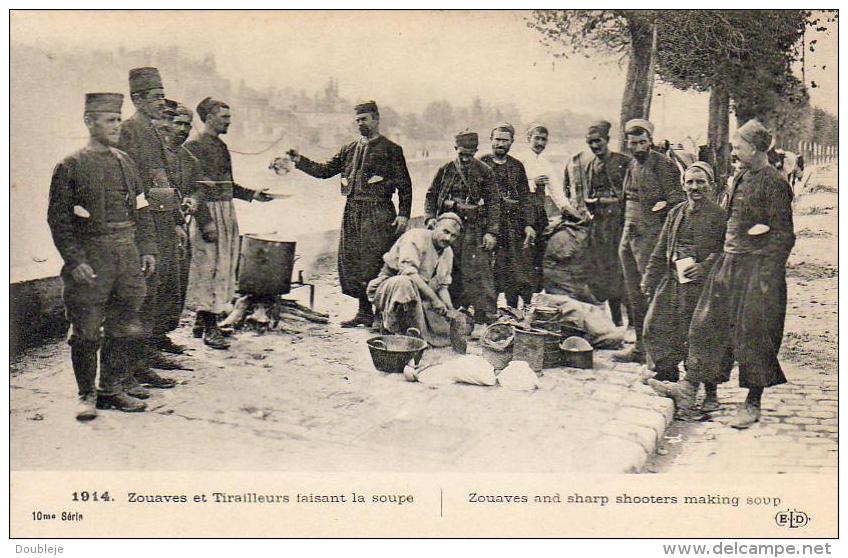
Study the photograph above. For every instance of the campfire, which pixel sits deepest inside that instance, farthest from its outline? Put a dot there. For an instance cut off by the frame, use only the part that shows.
(271, 313)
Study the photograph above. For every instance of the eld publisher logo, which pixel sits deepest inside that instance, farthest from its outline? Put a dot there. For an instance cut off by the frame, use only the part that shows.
(792, 519)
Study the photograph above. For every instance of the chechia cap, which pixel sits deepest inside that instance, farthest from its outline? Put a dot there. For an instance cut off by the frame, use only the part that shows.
(505, 126)
(183, 110)
(467, 139)
(636, 123)
(704, 166)
(103, 102)
(450, 216)
(536, 126)
(144, 79)
(365, 107)
(601, 127)
(756, 134)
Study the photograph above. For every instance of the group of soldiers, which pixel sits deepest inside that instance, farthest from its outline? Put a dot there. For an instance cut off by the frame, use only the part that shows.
(703, 284)
(145, 223)
(700, 269)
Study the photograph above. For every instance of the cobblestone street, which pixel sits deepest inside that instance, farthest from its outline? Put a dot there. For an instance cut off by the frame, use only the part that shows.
(798, 430)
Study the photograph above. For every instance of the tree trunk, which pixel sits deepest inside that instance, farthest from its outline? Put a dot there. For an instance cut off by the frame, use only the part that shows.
(636, 101)
(718, 133)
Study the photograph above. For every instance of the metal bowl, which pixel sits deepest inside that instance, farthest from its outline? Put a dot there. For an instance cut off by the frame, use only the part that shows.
(391, 353)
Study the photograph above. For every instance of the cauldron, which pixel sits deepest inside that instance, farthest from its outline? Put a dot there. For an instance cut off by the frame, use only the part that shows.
(265, 265)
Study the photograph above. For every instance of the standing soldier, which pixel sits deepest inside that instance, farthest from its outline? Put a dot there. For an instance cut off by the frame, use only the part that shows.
(372, 169)
(214, 233)
(693, 233)
(466, 186)
(515, 270)
(100, 223)
(594, 186)
(541, 174)
(741, 312)
(651, 189)
(183, 172)
(142, 139)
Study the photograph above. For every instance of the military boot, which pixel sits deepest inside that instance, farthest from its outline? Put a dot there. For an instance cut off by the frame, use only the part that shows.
(683, 395)
(84, 360)
(745, 417)
(87, 407)
(120, 402)
(115, 358)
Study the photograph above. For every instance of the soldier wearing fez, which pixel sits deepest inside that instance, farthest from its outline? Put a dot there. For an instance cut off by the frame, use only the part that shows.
(467, 187)
(143, 139)
(102, 227)
(372, 169)
(651, 189)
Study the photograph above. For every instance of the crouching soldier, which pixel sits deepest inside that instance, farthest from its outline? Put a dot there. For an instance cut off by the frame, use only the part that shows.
(100, 225)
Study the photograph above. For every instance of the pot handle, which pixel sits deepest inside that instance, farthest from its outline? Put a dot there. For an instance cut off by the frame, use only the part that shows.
(379, 343)
(413, 332)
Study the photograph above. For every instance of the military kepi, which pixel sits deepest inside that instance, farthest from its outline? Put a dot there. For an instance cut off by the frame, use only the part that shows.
(367, 106)
(103, 102)
(144, 79)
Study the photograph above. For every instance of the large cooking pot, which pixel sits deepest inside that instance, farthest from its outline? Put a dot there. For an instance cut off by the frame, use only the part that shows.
(265, 265)
(391, 353)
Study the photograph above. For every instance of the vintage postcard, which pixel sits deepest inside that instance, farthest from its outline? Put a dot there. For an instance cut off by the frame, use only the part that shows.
(541, 273)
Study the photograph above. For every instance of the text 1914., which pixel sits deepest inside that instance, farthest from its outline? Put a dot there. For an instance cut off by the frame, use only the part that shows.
(86, 496)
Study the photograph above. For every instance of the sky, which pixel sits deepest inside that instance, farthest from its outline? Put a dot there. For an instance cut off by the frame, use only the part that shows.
(403, 59)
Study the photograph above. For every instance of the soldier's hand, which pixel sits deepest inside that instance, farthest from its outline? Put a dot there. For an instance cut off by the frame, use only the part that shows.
(696, 271)
(646, 290)
(209, 233)
(529, 236)
(261, 195)
(83, 273)
(400, 223)
(489, 241)
(148, 264)
(182, 241)
(293, 155)
(440, 308)
(189, 205)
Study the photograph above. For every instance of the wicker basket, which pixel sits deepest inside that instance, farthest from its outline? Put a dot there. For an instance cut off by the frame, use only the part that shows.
(497, 341)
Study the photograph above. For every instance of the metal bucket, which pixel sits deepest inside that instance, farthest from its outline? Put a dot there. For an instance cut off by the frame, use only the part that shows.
(265, 265)
(578, 353)
(391, 353)
(529, 346)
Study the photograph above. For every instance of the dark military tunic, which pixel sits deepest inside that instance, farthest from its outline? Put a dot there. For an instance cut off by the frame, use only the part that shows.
(515, 272)
(143, 142)
(183, 171)
(688, 232)
(471, 192)
(371, 172)
(591, 177)
(741, 312)
(645, 185)
(97, 215)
